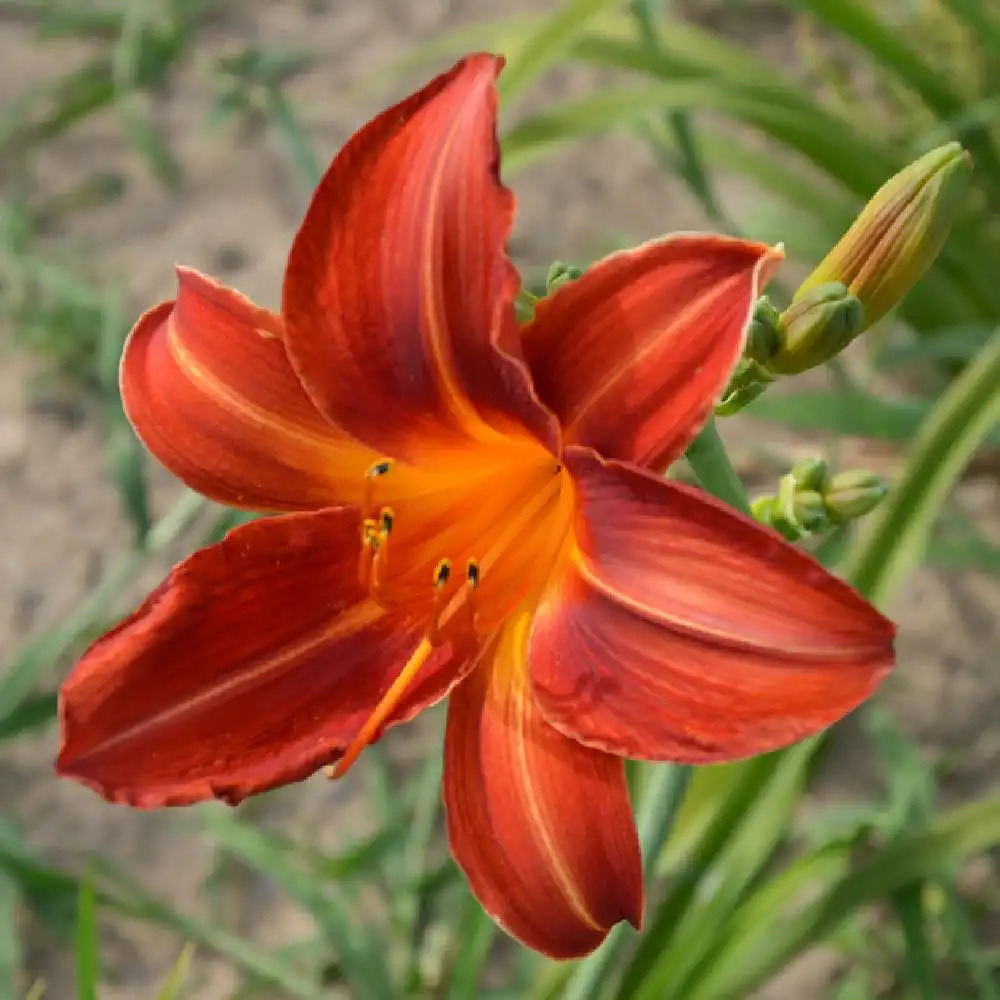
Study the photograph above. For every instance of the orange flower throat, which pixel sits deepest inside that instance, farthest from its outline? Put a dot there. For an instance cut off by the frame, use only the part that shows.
(505, 524)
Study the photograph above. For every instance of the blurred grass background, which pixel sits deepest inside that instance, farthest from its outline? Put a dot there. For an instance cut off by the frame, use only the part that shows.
(131, 132)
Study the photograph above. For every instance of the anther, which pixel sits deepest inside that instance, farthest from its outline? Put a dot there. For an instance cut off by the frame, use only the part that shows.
(472, 573)
(379, 469)
(442, 574)
(387, 518)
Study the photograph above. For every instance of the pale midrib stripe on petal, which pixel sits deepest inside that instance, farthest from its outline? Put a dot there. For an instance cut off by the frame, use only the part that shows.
(233, 400)
(836, 651)
(563, 876)
(366, 613)
(625, 366)
(456, 399)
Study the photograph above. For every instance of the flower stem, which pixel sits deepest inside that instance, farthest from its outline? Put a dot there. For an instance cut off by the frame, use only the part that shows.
(708, 459)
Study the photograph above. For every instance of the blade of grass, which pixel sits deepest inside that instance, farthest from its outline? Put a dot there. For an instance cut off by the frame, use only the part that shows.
(552, 39)
(87, 960)
(11, 953)
(859, 22)
(866, 416)
(359, 952)
(895, 537)
(42, 653)
(61, 890)
(918, 956)
(172, 985)
(756, 947)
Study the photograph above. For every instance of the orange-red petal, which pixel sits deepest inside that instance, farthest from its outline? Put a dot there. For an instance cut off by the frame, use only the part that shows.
(683, 631)
(632, 356)
(398, 288)
(255, 663)
(541, 826)
(209, 390)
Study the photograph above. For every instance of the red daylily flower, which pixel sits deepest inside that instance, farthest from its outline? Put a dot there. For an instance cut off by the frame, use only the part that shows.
(468, 512)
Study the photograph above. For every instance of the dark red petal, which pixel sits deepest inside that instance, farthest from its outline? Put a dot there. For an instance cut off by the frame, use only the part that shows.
(253, 664)
(209, 390)
(541, 826)
(684, 631)
(632, 356)
(398, 287)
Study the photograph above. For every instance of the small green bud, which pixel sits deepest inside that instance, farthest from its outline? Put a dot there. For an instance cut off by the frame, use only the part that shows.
(524, 306)
(748, 381)
(763, 338)
(816, 327)
(762, 508)
(797, 512)
(852, 494)
(810, 474)
(898, 233)
(559, 274)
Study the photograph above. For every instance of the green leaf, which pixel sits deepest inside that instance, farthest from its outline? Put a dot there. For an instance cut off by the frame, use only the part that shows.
(11, 953)
(859, 22)
(552, 39)
(171, 988)
(34, 712)
(758, 944)
(57, 892)
(359, 952)
(41, 654)
(894, 538)
(860, 415)
(87, 960)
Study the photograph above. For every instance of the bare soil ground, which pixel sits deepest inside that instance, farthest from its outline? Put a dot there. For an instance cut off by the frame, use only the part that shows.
(61, 524)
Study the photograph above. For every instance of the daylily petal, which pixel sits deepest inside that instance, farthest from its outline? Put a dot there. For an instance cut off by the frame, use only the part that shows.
(398, 288)
(255, 663)
(632, 356)
(683, 631)
(208, 388)
(541, 826)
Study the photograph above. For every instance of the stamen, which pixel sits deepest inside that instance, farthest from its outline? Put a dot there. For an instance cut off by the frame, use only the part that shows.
(472, 574)
(442, 574)
(379, 469)
(384, 708)
(380, 561)
(369, 546)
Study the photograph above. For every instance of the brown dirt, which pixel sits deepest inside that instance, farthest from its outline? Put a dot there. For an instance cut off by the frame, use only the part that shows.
(61, 523)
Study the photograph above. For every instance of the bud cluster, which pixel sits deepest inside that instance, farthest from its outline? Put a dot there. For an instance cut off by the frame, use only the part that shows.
(878, 260)
(810, 501)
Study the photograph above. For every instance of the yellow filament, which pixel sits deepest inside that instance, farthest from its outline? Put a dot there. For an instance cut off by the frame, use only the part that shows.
(382, 710)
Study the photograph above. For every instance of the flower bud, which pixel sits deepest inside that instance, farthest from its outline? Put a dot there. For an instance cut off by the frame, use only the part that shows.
(559, 274)
(763, 339)
(898, 234)
(817, 326)
(810, 474)
(853, 494)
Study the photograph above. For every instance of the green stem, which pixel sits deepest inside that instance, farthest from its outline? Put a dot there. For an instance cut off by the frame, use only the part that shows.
(708, 460)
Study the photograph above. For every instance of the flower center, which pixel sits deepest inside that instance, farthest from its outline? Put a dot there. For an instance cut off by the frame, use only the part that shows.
(504, 527)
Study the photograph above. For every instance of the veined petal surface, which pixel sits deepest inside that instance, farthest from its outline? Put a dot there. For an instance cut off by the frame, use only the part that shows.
(208, 388)
(632, 356)
(398, 287)
(255, 663)
(541, 826)
(683, 631)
